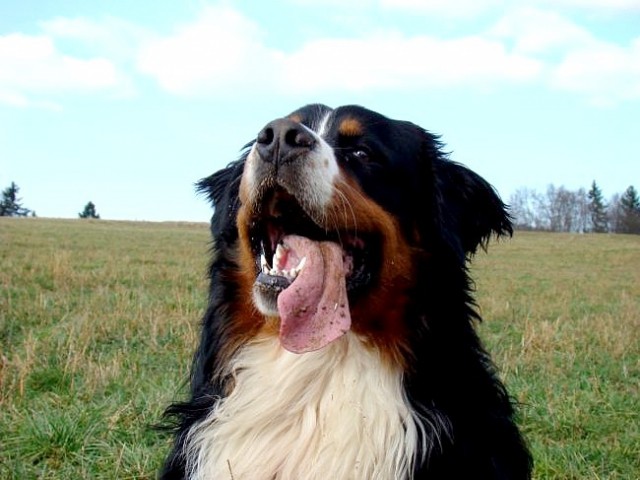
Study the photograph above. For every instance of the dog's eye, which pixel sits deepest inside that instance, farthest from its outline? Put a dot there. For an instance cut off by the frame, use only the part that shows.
(359, 154)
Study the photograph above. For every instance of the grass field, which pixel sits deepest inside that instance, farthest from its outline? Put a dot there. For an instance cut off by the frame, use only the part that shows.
(98, 320)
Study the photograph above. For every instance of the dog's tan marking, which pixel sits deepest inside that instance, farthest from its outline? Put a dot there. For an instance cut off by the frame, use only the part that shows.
(351, 127)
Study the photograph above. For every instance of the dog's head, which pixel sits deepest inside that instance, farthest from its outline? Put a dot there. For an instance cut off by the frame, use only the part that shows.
(330, 213)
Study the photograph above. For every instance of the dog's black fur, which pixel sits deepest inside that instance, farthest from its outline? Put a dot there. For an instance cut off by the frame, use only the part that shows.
(445, 212)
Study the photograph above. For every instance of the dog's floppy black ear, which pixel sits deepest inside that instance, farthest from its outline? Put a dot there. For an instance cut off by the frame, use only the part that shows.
(469, 209)
(221, 189)
(215, 186)
(222, 186)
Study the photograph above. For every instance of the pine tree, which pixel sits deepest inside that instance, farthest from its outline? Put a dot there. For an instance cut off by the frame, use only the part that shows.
(597, 210)
(11, 205)
(630, 211)
(89, 211)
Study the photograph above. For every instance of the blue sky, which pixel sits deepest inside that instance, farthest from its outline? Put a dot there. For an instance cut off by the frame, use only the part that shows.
(127, 104)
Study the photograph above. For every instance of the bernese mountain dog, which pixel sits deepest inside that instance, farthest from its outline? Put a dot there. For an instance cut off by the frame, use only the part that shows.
(339, 339)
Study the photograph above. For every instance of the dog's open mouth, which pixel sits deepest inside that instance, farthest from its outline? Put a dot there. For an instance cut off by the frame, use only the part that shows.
(306, 273)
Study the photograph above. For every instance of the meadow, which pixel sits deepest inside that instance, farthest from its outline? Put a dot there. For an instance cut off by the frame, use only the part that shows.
(98, 320)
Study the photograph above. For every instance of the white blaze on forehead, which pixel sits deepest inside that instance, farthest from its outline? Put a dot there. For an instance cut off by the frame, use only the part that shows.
(323, 160)
(323, 153)
(323, 124)
(316, 178)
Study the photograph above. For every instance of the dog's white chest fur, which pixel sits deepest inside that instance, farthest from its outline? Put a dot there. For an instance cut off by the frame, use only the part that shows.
(339, 413)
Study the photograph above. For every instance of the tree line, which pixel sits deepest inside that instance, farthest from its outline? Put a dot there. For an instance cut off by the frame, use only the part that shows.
(556, 210)
(562, 210)
(11, 205)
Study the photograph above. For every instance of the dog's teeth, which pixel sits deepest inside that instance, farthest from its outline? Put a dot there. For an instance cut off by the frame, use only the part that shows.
(299, 267)
(264, 265)
(279, 255)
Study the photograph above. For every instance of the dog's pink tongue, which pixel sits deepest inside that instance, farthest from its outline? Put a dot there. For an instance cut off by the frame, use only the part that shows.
(313, 309)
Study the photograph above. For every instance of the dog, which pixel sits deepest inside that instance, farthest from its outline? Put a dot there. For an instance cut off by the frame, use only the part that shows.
(339, 338)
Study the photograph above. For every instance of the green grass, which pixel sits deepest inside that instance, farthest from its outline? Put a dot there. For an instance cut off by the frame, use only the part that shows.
(98, 321)
(563, 322)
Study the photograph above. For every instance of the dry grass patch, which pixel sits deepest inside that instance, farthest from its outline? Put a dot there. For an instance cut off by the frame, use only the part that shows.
(562, 318)
(98, 321)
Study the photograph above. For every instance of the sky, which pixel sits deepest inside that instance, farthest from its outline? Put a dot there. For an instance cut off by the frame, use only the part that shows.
(128, 104)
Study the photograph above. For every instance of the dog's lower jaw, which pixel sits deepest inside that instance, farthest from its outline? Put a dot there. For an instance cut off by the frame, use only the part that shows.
(338, 413)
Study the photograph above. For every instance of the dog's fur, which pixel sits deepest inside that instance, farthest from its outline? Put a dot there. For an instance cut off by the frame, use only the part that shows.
(405, 390)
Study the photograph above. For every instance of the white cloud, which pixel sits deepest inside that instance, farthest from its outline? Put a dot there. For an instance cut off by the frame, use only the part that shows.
(576, 60)
(111, 37)
(395, 61)
(601, 5)
(440, 8)
(448, 8)
(222, 49)
(538, 31)
(79, 28)
(31, 65)
(16, 99)
(353, 4)
(467, 8)
(605, 72)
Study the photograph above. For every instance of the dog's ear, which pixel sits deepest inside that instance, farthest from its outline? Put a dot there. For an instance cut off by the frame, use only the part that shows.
(221, 189)
(468, 208)
(222, 186)
(215, 186)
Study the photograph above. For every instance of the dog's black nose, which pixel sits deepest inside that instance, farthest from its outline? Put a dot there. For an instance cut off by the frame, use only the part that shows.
(283, 140)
